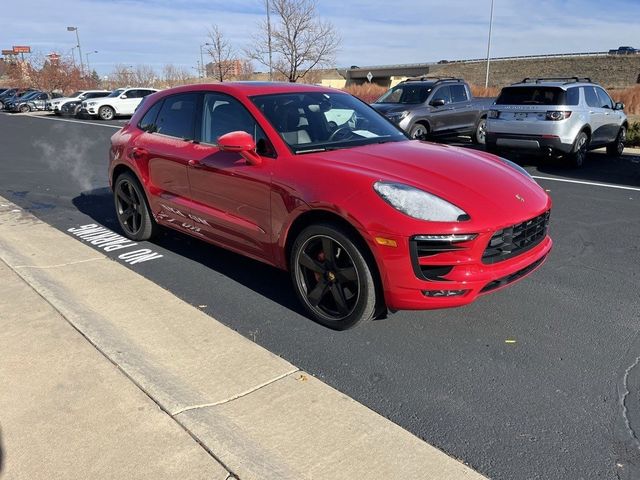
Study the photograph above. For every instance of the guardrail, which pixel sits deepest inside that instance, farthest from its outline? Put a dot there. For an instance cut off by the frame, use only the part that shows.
(522, 57)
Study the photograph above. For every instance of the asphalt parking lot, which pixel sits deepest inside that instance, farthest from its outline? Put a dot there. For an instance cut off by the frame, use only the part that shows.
(536, 381)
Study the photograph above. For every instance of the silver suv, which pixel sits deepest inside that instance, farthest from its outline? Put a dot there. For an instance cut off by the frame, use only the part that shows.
(556, 116)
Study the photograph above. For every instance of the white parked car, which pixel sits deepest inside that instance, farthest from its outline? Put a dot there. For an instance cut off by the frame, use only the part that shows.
(56, 104)
(122, 101)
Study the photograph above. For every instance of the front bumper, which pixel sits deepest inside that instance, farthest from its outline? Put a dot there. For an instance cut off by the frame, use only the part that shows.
(540, 143)
(454, 277)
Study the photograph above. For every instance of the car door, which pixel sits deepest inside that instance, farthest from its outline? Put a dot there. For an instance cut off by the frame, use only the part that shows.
(231, 198)
(440, 113)
(462, 118)
(613, 118)
(128, 101)
(163, 151)
(597, 116)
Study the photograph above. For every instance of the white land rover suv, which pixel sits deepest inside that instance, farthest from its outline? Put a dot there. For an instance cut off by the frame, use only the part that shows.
(558, 117)
(122, 101)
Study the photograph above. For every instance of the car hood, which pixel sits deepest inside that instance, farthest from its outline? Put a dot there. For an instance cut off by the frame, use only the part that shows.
(481, 184)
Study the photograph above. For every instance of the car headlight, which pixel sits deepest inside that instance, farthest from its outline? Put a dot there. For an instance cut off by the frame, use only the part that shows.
(397, 116)
(418, 204)
(518, 168)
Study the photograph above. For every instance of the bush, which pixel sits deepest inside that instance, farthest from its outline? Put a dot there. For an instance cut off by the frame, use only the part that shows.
(633, 135)
(368, 92)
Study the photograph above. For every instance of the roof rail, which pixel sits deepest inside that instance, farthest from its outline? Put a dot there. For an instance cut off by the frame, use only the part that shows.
(436, 79)
(549, 79)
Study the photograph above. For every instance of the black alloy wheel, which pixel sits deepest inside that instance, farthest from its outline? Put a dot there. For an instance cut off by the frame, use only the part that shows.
(616, 148)
(332, 278)
(580, 149)
(132, 210)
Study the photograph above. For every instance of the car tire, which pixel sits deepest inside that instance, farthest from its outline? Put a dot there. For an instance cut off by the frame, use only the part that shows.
(24, 108)
(106, 113)
(578, 153)
(479, 136)
(132, 209)
(337, 289)
(616, 148)
(419, 132)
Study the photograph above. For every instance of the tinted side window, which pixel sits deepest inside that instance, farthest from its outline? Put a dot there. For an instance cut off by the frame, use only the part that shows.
(605, 100)
(222, 114)
(458, 93)
(442, 93)
(148, 122)
(573, 96)
(177, 115)
(591, 96)
(144, 93)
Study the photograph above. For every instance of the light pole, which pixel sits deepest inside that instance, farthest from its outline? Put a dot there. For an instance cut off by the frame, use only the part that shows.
(73, 55)
(203, 72)
(486, 80)
(75, 29)
(269, 41)
(88, 67)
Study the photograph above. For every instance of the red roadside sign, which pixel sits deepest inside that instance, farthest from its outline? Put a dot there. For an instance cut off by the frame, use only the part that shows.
(21, 49)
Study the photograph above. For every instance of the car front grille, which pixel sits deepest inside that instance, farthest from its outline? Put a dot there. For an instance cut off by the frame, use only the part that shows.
(512, 241)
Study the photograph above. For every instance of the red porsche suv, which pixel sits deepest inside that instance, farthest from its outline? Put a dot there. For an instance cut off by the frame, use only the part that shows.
(313, 180)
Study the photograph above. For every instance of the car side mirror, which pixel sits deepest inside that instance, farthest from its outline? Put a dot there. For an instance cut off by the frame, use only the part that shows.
(123, 95)
(438, 102)
(619, 106)
(242, 143)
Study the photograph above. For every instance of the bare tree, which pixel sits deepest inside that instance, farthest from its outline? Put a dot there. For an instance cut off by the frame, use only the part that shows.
(144, 75)
(300, 40)
(222, 55)
(173, 75)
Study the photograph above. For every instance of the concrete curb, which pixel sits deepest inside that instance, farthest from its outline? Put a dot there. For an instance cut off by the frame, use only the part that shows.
(255, 413)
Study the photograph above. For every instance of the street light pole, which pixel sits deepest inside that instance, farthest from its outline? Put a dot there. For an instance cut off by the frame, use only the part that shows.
(269, 41)
(203, 71)
(88, 67)
(486, 81)
(75, 29)
(73, 55)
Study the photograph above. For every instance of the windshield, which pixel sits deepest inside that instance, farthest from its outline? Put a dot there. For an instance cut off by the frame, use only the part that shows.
(29, 95)
(317, 121)
(115, 93)
(406, 94)
(531, 96)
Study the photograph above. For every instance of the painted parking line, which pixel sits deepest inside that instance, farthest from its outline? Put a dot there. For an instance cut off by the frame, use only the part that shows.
(76, 121)
(580, 182)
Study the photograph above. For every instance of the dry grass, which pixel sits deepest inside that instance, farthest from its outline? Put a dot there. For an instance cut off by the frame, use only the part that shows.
(630, 97)
(477, 91)
(369, 92)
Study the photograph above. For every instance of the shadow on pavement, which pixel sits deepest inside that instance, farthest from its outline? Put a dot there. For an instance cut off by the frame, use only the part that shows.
(599, 167)
(263, 279)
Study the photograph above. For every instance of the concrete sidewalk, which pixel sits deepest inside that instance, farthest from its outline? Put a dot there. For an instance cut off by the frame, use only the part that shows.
(107, 375)
(68, 412)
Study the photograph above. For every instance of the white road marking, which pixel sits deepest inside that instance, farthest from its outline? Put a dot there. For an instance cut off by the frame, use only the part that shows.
(594, 184)
(75, 121)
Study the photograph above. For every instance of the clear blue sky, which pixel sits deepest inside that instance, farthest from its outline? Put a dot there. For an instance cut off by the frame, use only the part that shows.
(374, 32)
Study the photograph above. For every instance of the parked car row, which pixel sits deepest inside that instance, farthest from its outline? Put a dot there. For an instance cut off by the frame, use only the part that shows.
(103, 104)
(558, 117)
